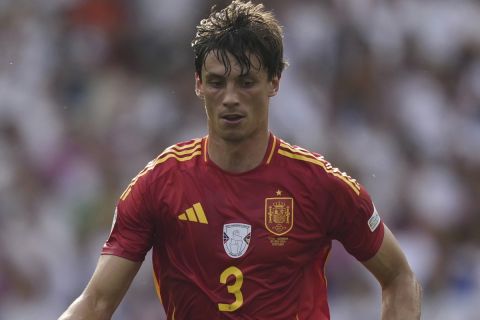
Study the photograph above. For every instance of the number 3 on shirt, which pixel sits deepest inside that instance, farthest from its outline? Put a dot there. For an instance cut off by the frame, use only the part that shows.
(233, 289)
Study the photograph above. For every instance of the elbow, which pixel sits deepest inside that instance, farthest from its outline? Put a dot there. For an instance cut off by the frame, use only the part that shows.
(101, 306)
(401, 276)
(406, 291)
(88, 306)
(410, 283)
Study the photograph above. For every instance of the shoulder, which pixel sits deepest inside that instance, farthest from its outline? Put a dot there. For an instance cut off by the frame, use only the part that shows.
(179, 153)
(174, 158)
(316, 166)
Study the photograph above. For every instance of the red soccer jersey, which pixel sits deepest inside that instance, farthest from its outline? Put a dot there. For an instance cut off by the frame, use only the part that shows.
(243, 246)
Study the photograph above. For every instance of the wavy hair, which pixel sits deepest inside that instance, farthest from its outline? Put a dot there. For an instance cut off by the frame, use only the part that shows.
(242, 29)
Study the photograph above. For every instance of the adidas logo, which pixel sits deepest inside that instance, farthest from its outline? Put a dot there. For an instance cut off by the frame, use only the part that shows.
(194, 214)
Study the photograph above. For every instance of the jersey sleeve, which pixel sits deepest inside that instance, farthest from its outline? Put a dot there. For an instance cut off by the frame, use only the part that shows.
(355, 222)
(132, 231)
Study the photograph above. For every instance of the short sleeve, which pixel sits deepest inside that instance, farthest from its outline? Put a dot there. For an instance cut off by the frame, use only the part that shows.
(355, 222)
(132, 231)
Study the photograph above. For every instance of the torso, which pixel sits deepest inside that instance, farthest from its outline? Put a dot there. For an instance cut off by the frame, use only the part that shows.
(242, 246)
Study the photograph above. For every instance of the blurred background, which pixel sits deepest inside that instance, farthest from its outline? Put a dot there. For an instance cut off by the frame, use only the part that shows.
(91, 90)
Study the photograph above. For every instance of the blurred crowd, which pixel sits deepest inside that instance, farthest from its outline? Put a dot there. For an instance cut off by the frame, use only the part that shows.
(90, 91)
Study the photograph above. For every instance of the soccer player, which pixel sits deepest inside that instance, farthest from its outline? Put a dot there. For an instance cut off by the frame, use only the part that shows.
(240, 221)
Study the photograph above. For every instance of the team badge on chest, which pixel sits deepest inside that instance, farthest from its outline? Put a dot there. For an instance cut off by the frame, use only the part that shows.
(279, 215)
(236, 238)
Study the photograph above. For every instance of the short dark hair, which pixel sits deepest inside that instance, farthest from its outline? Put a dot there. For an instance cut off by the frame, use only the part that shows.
(241, 29)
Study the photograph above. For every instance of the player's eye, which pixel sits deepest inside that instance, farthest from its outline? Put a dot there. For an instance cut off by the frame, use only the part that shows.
(215, 83)
(247, 83)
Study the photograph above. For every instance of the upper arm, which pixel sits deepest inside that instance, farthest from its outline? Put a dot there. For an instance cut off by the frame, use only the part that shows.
(401, 292)
(109, 283)
(389, 261)
(111, 279)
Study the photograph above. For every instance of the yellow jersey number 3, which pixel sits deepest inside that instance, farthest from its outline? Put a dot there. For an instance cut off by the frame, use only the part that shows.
(233, 289)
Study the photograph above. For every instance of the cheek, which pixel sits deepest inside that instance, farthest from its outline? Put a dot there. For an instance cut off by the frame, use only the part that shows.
(208, 109)
(260, 103)
(211, 97)
(209, 104)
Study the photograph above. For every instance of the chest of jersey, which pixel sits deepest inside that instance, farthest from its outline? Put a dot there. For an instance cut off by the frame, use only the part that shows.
(256, 220)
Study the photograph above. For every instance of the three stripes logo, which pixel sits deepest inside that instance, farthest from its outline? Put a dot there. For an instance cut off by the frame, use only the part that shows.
(194, 214)
(295, 152)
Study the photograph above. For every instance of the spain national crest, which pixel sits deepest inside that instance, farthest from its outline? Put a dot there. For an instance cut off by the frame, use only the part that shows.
(279, 215)
(236, 238)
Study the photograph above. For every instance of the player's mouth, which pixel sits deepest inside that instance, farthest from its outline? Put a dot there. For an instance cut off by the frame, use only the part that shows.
(232, 118)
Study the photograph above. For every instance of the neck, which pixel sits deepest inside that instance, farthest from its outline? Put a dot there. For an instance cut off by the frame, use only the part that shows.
(238, 156)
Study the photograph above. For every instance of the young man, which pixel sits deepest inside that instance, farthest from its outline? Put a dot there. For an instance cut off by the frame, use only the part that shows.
(241, 222)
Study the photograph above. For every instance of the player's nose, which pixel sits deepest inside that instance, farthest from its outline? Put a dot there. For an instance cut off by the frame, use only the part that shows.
(230, 98)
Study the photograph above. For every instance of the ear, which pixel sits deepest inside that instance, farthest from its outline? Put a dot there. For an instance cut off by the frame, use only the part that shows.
(274, 85)
(198, 85)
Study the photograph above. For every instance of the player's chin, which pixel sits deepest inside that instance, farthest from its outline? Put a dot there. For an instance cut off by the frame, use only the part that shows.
(233, 135)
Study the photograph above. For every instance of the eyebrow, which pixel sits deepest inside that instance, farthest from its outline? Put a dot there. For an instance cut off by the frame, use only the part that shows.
(218, 75)
(213, 75)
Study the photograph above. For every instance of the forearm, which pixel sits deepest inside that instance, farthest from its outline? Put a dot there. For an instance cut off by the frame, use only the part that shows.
(87, 307)
(401, 298)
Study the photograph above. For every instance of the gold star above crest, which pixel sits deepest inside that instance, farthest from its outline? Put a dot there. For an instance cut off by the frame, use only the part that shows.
(279, 192)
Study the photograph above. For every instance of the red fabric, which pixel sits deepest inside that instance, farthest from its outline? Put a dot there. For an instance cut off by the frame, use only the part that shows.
(283, 275)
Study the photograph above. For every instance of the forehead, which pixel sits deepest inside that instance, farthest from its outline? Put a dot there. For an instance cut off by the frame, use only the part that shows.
(214, 64)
